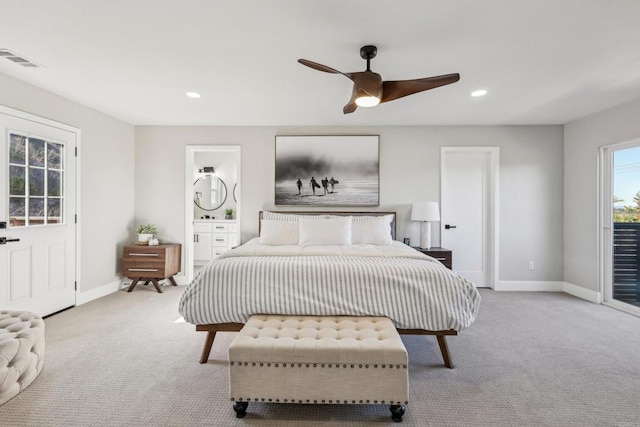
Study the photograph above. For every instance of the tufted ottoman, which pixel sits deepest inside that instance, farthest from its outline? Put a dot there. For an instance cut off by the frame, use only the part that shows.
(21, 351)
(311, 359)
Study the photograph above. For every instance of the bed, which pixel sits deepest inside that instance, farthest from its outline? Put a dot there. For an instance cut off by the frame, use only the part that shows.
(329, 264)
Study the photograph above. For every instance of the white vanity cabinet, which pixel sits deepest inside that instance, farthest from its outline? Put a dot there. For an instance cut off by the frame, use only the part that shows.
(211, 238)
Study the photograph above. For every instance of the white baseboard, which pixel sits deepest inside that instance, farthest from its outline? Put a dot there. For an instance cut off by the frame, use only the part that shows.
(543, 286)
(583, 293)
(116, 285)
(522, 285)
(100, 291)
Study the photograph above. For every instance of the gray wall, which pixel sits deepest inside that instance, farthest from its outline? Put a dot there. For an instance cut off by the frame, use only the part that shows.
(531, 173)
(582, 138)
(107, 176)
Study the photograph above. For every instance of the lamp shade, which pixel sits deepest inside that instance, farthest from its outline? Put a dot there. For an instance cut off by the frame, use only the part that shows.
(425, 211)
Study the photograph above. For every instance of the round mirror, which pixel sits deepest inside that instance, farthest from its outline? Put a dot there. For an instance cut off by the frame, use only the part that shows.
(209, 192)
(235, 199)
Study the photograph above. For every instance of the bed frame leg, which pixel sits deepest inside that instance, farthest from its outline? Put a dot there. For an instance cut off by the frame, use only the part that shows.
(444, 349)
(211, 335)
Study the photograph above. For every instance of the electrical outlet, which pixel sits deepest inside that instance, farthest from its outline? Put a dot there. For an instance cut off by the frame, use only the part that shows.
(530, 265)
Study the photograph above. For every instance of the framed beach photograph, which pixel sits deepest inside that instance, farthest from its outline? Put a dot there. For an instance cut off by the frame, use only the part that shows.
(327, 170)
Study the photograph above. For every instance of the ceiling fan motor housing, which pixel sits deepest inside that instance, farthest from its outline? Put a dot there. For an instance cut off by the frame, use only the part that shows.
(368, 52)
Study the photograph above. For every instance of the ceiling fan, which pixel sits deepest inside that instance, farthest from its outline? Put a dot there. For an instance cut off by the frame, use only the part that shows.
(368, 88)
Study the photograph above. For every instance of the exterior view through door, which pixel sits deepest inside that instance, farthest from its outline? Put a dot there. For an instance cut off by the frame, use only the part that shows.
(625, 274)
(37, 213)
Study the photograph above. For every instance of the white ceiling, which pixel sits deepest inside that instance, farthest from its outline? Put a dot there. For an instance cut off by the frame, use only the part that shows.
(542, 61)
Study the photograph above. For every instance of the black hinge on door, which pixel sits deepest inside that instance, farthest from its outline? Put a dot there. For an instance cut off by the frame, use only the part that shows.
(75, 286)
(76, 218)
(76, 151)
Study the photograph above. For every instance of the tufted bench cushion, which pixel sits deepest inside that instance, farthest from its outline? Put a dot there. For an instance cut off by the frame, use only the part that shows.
(311, 359)
(21, 351)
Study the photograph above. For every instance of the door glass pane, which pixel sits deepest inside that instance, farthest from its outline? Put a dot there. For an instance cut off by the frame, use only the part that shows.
(17, 211)
(36, 210)
(17, 149)
(626, 226)
(16, 181)
(54, 183)
(36, 182)
(36, 152)
(54, 212)
(54, 156)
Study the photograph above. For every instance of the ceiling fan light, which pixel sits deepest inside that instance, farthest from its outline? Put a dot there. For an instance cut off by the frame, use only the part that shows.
(367, 101)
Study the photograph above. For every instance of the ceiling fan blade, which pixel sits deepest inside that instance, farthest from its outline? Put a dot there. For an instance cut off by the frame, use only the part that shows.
(397, 89)
(351, 105)
(319, 67)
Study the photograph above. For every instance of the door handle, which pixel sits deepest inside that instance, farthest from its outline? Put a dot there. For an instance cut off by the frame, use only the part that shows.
(4, 240)
(447, 226)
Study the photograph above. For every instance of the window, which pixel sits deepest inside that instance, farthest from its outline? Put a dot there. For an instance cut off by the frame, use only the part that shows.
(36, 176)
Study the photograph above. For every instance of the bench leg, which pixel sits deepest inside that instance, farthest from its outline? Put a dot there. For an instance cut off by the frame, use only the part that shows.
(397, 411)
(240, 408)
(206, 350)
(444, 349)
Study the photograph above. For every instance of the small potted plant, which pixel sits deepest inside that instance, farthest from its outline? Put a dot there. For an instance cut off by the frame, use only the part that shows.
(229, 214)
(145, 233)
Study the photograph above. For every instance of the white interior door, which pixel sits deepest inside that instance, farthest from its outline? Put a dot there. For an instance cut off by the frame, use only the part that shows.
(37, 213)
(467, 188)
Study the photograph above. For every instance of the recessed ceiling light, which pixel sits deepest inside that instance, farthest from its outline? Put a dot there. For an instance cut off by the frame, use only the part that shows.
(479, 92)
(193, 94)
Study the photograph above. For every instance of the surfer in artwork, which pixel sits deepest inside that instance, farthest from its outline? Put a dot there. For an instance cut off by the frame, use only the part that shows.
(333, 182)
(299, 184)
(314, 184)
(325, 185)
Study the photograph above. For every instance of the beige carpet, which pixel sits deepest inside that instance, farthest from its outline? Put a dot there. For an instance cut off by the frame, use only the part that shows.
(531, 359)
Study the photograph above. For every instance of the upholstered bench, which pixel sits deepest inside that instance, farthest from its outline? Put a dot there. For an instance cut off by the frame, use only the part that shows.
(21, 351)
(321, 360)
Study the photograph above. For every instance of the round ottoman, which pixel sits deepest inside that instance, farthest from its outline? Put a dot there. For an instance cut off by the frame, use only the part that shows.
(21, 351)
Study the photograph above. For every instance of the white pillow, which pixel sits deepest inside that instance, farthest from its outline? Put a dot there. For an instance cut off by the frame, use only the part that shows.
(373, 230)
(277, 233)
(314, 232)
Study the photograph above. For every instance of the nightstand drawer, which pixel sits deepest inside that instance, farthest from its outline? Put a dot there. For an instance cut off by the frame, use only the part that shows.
(441, 254)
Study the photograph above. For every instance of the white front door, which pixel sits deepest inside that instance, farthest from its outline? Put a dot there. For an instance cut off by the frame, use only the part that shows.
(467, 228)
(37, 214)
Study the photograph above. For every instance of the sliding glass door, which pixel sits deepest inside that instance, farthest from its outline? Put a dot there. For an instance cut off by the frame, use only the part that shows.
(620, 220)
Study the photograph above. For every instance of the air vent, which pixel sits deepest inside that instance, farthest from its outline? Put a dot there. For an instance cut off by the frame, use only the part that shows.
(18, 59)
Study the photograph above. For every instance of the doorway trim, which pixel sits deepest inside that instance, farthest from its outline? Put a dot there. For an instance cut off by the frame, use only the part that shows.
(78, 138)
(190, 154)
(605, 224)
(494, 202)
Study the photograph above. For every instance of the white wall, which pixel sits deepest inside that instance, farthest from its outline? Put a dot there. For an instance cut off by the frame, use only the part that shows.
(107, 177)
(531, 162)
(582, 139)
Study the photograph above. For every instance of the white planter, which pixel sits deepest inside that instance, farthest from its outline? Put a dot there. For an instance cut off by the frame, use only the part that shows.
(143, 239)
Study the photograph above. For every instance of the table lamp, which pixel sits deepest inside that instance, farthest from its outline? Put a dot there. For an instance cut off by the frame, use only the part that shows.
(425, 212)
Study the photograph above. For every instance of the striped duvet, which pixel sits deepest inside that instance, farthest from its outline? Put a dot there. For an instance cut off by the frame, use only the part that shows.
(414, 290)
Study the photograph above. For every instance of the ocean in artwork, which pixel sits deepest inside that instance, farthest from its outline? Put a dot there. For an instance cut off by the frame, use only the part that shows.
(345, 193)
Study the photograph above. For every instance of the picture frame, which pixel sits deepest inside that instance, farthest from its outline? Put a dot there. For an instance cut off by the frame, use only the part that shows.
(327, 170)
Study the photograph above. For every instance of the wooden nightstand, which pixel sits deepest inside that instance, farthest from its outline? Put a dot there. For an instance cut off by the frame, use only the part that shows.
(151, 263)
(441, 254)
